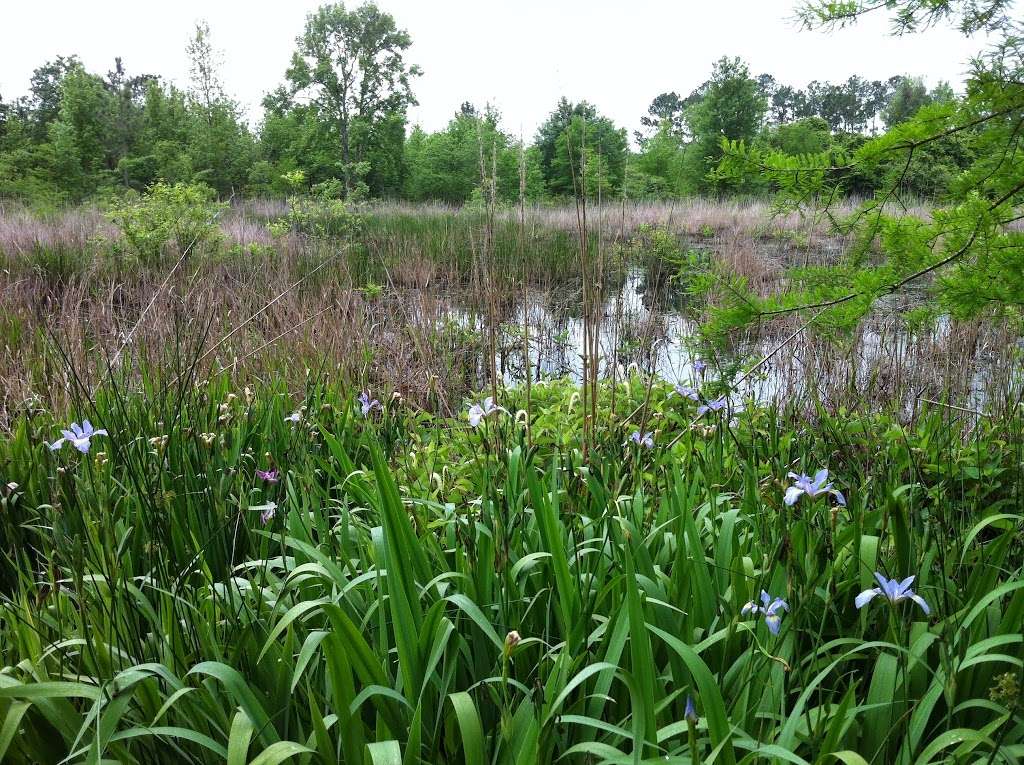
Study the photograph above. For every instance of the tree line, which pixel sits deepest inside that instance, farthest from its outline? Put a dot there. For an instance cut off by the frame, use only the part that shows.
(338, 126)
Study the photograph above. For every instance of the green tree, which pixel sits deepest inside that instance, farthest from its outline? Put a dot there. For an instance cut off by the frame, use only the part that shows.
(45, 92)
(667, 109)
(966, 251)
(125, 115)
(449, 165)
(809, 135)
(80, 133)
(906, 100)
(219, 143)
(383, 141)
(657, 171)
(27, 167)
(350, 65)
(162, 152)
(574, 138)
(546, 139)
(731, 108)
(294, 137)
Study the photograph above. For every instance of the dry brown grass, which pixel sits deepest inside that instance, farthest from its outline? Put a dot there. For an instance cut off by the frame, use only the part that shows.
(424, 336)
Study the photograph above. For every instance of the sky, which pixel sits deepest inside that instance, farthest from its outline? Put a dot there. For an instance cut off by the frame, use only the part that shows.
(520, 56)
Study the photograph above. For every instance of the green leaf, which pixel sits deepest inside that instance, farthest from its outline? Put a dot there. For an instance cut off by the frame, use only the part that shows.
(384, 753)
(710, 695)
(239, 738)
(469, 727)
(278, 752)
(243, 696)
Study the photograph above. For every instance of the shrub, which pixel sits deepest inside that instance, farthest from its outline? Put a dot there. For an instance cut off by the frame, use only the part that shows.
(320, 216)
(179, 215)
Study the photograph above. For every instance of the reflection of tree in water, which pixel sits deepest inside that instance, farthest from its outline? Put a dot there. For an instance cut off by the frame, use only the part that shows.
(637, 341)
(664, 286)
(646, 324)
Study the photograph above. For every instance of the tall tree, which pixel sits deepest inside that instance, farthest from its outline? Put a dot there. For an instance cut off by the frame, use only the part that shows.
(220, 144)
(907, 98)
(204, 68)
(732, 107)
(656, 170)
(665, 109)
(552, 128)
(351, 66)
(574, 142)
(128, 96)
(80, 133)
(590, 158)
(446, 165)
(45, 91)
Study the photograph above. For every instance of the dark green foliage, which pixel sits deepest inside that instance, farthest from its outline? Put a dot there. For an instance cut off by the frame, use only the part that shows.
(665, 112)
(79, 134)
(678, 158)
(123, 131)
(658, 170)
(577, 143)
(589, 159)
(909, 96)
(45, 89)
(731, 107)
(448, 165)
(350, 67)
(808, 135)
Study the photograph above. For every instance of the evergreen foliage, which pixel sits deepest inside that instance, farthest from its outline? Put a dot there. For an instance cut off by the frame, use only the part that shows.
(967, 252)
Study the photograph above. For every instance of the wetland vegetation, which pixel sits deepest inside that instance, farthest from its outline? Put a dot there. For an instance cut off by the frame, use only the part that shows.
(333, 443)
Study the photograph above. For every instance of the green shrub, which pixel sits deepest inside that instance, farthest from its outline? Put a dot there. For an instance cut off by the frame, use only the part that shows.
(181, 216)
(320, 217)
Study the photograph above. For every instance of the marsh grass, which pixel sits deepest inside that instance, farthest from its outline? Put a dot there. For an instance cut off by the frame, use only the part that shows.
(538, 589)
(403, 304)
(149, 616)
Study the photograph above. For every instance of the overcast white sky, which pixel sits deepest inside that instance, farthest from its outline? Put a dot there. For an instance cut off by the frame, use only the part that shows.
(519, 55)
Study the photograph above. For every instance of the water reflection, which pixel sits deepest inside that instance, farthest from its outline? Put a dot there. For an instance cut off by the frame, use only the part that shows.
(646, 326)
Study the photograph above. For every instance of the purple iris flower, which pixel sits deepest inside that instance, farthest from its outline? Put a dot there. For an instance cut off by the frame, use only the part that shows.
(894, 590)
(812, 487)
(78, 436)
(270, 476)
(647, 439)
(690, 713)
(366, 404)
(713, 406)
(477, 412)
(699, 365)
(687, 392)
(770, 608)
(267, 511)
